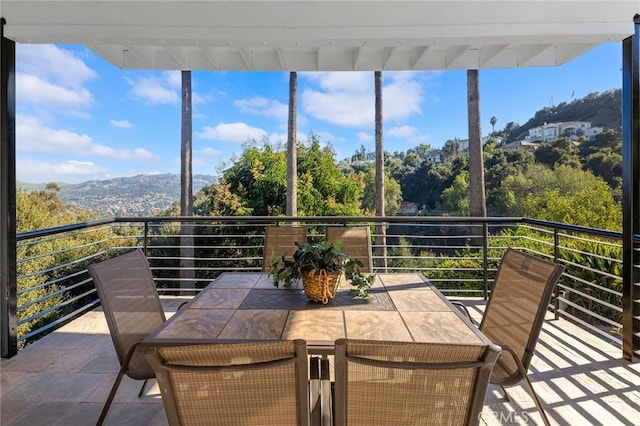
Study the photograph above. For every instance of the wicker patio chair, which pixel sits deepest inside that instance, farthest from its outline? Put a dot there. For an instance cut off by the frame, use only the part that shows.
(407, 383)
(355, 241)
(252, 383)
(515, 313)
(280, 241)
(132, 308)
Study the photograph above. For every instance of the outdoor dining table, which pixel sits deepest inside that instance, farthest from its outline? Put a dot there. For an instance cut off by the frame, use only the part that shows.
(240, 306)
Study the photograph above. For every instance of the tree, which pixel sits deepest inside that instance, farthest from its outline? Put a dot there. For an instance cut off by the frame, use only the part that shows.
(456, 197)
(392, 193)
(561, 151)
(258, 179)
(359, 155)
(500, 164)
(493, 122)
(477, 202)
(450, 150)
(603, 156)
(379, 199)
(292, 159)
(564, 194)
(187, 270)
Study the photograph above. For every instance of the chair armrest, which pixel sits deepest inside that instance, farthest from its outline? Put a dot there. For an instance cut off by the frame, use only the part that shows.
(464, 309)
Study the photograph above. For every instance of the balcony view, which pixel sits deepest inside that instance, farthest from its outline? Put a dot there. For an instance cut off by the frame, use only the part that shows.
(165, 203)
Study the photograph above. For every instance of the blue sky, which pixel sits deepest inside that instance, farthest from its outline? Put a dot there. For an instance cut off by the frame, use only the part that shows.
(80, 118)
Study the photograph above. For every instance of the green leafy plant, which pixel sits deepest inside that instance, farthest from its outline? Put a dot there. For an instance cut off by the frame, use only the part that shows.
(321, 256)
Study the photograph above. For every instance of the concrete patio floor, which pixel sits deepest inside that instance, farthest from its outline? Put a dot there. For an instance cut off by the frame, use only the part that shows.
(64, 379)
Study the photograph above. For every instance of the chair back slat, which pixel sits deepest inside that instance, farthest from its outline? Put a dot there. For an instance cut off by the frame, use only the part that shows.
(516, 309)
(407, 383)
(281, 241)
(131, 305)
(241, 383)
(354, 241)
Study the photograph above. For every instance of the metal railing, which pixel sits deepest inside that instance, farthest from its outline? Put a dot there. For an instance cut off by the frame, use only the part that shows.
(459, 255)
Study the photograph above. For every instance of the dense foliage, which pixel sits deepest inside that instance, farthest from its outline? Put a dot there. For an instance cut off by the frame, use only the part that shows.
(43, 261)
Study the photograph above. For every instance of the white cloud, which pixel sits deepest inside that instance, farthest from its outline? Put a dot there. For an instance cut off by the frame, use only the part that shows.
(210, 152)
(54, 78)
(35, 90)
(347, 98)
(173, 78)
(364, 137)
(34, 137)
(354, 82)
(402, 131)
(197, 98)
(51, 63)
(233, 132)
(409, 133)
(123, 124)
(155, 89)
(66, 171)
(263, 106)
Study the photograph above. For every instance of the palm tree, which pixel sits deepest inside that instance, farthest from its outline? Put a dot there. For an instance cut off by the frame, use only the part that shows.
(477, 202)
(292, 167)
(187, 272)
(493, 122)
(379, 197)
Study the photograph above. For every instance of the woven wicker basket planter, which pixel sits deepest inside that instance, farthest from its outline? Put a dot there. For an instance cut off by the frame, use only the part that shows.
(320, 286)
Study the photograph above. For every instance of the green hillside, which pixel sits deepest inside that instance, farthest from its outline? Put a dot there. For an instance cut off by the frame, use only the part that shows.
(601, 109)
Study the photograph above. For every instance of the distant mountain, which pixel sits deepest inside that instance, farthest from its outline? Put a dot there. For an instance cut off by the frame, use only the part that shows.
(141, 195)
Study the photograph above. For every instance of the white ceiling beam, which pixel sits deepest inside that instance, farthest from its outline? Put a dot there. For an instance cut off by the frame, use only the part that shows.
(245, 54)
(386, 56)
(487, 53)
(454, 53)
(180, 55)
(212, 56)
(527, 54)
(282, 59)
(422, 54)
(357, 56)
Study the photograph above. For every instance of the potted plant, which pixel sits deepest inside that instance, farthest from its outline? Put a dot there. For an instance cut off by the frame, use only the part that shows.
(319, 266)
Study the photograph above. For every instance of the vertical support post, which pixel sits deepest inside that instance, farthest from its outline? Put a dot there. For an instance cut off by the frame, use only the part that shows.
(146, 238)
(485, 257)
(630, 191)
(556, 256)
(8, 273)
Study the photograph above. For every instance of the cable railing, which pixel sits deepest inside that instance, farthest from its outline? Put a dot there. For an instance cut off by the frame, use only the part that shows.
(459, 255)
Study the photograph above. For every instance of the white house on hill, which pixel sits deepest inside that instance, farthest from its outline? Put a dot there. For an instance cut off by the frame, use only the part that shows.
(573, 129)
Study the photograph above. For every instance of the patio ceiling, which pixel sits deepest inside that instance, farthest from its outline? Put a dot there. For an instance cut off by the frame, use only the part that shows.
(321, 35)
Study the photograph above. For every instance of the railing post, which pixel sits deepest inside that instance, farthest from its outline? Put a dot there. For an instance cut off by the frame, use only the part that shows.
(145, 241)
(485, 257)
(630, 190)
(556, 256)
(8, 256)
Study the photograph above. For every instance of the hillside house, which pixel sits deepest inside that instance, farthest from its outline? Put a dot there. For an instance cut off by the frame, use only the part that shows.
(573, 129)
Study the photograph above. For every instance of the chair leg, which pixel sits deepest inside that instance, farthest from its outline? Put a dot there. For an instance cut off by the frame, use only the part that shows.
(506, 395)
(325, 389)
(532, 392)
(112, 394)
(314, 392)
(144, 384)
(116, 385)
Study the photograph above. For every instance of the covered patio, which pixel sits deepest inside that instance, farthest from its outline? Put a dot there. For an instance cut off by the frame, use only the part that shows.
(580, 379)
